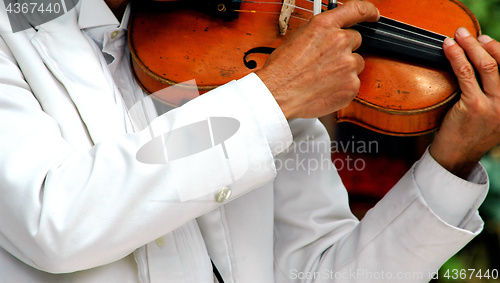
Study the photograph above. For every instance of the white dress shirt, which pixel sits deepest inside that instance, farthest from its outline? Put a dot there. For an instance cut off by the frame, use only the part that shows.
(118, 221)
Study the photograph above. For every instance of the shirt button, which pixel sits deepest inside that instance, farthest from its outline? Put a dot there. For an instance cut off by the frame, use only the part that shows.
(160, 242)
(223, 195)
(114, 34)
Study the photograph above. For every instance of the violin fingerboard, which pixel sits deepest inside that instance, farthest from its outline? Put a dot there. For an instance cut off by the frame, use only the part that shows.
(402, 41)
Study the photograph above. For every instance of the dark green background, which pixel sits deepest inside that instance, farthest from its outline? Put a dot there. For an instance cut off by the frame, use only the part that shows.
(488, 14)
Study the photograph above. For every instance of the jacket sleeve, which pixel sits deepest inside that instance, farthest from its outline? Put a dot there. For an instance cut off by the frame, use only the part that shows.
(401, 239)
(65, 209)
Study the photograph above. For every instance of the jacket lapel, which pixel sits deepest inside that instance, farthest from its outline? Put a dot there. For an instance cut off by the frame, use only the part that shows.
(74, 62)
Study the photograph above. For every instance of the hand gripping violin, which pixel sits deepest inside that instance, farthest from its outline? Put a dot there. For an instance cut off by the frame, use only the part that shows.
(406, 87)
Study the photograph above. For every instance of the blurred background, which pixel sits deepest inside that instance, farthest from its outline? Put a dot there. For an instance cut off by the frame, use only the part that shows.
(488, 14)
(384, 165)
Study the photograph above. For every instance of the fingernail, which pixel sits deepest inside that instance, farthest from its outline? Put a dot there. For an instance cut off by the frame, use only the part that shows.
(449, 41)
(484, 39)
(463, 32)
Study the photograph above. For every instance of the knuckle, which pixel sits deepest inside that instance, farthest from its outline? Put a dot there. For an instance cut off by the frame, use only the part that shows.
(349, 90)
(357, 38)
(320, 21)
(361, 7)
(477, 106)
(494, 46)
(343, 103)
(483, 108)
(495, 50)
(466, 72)
(354, 85)
(341, 39)
(352, 62)
(489, 66)
(361, 63)
(456, 54)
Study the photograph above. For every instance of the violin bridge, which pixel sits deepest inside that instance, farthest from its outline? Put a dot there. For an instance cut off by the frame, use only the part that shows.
(285, 14)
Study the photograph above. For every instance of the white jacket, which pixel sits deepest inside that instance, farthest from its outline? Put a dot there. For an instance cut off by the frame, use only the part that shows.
(77, 206)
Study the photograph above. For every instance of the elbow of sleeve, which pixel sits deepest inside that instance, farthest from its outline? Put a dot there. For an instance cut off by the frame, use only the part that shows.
(56, 256)
(57, 262)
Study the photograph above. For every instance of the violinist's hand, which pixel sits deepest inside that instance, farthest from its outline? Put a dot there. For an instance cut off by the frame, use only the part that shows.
(315, 73)
(472, 126)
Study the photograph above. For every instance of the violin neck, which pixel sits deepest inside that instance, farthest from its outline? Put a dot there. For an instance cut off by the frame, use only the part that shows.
(403, 41)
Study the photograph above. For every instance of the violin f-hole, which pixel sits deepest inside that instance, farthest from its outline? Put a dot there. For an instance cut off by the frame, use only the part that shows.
(257, 50)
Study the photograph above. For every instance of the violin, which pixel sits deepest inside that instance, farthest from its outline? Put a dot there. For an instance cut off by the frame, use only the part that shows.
(406, 87)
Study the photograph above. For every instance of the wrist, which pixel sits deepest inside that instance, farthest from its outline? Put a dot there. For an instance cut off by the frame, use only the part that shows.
(459, 162)
(278, 90)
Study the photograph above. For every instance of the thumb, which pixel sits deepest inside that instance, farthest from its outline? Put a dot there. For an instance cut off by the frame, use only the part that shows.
(351, 13)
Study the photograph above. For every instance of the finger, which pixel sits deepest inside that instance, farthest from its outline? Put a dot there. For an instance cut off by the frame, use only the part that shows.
(493, 48)
(484, 63)
(351, 13)
(360, 62)
(490, 45)
(461, 67)
(354, 37)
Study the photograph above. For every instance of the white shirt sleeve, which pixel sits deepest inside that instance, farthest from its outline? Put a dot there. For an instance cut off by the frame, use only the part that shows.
(76, 182)
(451, 198)
(420, 223)
(269, 115)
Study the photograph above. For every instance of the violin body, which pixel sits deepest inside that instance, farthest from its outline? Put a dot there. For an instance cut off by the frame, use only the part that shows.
(405, 98)
(396, 97)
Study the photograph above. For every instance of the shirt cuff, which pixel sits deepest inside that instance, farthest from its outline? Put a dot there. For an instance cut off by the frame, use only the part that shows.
(271, 119)
(451, 198)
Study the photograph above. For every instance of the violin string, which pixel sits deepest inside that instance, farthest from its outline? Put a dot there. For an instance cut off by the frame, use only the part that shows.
(437, 42)
(276, 3)
(266, 12)
(311, 11)
(407, 39)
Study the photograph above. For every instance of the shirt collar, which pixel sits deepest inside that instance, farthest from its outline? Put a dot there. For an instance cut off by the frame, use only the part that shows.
(95, 17)
(95, 13)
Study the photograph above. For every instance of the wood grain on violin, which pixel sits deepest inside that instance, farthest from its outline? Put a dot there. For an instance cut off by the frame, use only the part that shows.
(224, 40)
